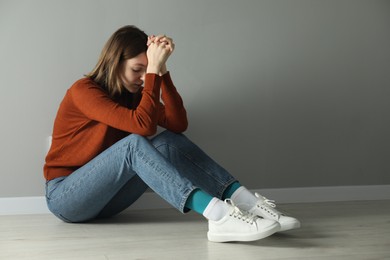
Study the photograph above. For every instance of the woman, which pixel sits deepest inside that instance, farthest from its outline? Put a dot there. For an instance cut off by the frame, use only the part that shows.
(101, 159)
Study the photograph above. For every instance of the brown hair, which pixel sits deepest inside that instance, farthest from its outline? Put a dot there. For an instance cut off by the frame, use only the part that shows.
(126, 43)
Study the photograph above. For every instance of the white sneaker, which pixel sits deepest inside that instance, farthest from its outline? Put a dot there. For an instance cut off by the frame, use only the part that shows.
(239, 225)
(266, 208)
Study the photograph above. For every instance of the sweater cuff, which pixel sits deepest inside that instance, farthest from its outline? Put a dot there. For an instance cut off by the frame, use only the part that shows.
(167, 79)
(152, 82)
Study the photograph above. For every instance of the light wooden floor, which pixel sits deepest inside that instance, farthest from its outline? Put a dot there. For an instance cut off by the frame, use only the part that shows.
(337, 230)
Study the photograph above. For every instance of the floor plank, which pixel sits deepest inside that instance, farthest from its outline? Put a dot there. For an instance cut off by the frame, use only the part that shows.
(337, 230)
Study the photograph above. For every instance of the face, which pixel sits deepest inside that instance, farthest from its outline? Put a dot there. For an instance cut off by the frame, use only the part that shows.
(133, 72)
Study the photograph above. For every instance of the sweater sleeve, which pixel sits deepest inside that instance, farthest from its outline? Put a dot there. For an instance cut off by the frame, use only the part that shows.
(172, 114)
(95, 104)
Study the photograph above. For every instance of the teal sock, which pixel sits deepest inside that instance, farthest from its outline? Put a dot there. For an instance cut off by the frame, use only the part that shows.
(198, 201)
(230, 190)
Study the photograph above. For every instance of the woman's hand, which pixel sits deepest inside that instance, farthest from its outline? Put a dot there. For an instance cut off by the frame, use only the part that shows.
(159, 49)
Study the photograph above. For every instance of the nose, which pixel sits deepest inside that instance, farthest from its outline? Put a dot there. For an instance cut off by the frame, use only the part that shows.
(143, 76)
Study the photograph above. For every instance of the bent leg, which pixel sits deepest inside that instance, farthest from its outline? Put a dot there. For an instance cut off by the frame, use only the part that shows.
(193, 163)
(86, 192)
(125, 197)
(82, 195)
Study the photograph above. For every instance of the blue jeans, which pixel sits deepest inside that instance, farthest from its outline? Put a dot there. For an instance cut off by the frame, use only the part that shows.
(170, 164)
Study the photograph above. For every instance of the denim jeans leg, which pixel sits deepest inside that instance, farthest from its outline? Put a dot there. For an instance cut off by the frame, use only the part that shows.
(86, 192)
(125, 197)
(193, 163)
(82, 195)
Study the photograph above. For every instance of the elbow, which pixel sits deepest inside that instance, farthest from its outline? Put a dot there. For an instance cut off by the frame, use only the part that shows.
(144, 133)
(146, 126)
(183, 127)
(179, 127)
(148, 131)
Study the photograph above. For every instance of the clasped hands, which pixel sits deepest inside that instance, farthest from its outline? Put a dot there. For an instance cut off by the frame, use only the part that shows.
(159, 49)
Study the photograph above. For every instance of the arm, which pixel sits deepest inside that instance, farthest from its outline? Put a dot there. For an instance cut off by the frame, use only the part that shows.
(96, 105)
(172, 115)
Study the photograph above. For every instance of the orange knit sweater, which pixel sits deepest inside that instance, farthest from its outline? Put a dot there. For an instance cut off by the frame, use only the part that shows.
(88, 121)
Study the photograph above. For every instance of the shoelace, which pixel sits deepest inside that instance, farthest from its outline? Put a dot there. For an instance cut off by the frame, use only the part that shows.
(244, 216)
(270, 203)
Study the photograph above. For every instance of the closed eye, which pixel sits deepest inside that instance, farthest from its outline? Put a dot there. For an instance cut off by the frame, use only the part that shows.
(137, 70)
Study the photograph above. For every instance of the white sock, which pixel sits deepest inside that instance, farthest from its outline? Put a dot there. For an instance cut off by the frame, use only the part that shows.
(216, 210)
(244, 199)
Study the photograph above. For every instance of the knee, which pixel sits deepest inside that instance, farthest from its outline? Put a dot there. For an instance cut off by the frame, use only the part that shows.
(168, 137)
(133, 142)
(173, 135)
(135, 139)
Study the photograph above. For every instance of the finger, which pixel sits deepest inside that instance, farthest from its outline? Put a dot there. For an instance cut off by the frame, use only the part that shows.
(169, 43)
(163, 45)
(151, 38)
(159, 38)
(166, 39)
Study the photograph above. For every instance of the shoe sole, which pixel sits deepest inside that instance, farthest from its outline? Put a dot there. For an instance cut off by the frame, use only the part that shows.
(230, 237)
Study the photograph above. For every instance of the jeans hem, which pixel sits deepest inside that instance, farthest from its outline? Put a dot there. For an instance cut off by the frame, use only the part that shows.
(227, 184)
(182, 208)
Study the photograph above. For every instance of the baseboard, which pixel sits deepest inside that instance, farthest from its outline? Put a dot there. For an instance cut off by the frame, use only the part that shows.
(37, 205)
(327, 194)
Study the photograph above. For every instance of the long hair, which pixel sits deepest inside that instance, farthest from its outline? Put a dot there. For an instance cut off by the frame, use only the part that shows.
(126, 43)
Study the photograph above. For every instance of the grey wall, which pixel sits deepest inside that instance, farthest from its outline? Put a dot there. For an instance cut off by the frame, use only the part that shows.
(282, 93)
